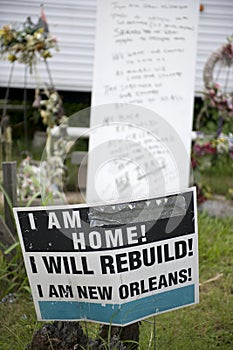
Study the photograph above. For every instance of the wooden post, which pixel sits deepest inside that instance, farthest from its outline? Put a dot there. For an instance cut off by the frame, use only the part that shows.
(10, 187)
(0, 151)
(1, 154)
(79, 158)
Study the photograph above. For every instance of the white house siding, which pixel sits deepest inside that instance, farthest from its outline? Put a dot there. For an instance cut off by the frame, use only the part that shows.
(73, 23)
(215, 24)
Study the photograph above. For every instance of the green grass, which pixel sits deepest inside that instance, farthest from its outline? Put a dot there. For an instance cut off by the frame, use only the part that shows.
(208, 325)
(205, 326)
(18, 323)
(218, 177)
(217, 185)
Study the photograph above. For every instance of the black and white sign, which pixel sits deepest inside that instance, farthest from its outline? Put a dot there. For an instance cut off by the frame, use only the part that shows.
(116, 263)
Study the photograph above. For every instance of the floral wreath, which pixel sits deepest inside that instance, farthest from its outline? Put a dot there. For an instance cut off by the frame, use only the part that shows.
(207, 147)
(50, 106)
(214, 96)
(28, 42)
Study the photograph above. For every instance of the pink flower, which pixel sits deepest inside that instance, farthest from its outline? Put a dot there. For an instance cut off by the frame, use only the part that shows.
(216, 86)
(212, 103)
(194, 163)
(212, 92)
(210, 149)
(198, 150)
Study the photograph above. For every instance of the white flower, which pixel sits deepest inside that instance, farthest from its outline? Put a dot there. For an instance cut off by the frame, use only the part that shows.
(39, 36)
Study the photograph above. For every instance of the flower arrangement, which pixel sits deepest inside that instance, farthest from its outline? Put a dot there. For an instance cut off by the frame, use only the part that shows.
(28, 175)
(216, 98)
(224, 55)
(54, 171)
(212, 151)
(208, 147)
(217, 101)
(28, 42)
(50, 106)
(207, 151)
(227, 52)
(50, 175)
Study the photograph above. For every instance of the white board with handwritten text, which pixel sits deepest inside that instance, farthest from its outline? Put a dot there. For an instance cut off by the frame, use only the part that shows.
(145, 55)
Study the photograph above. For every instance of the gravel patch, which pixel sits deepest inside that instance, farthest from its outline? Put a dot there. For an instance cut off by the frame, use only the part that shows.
(217, 207)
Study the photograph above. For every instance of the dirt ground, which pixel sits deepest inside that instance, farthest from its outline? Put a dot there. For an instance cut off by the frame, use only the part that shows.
(218, 206)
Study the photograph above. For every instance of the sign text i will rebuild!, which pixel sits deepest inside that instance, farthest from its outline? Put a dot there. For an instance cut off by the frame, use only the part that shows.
(77, 268)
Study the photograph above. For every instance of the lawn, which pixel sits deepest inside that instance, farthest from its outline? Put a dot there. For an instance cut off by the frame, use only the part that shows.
(205, 326)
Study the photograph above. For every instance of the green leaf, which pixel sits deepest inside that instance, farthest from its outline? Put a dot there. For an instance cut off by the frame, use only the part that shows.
(6, 196)
(12, 247)
(36, 195)
(28, 289)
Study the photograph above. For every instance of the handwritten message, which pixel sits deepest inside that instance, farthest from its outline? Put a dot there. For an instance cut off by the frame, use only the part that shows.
(145, 56)
(147, 52)
(133, 153)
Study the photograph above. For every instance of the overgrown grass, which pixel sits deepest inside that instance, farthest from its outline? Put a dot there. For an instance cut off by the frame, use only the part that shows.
(208, 325)
(12, 272)
(217, 185)
(205, 326)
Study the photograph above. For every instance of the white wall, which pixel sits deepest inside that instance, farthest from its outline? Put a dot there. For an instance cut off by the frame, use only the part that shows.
(215, 24)
(73, 23)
